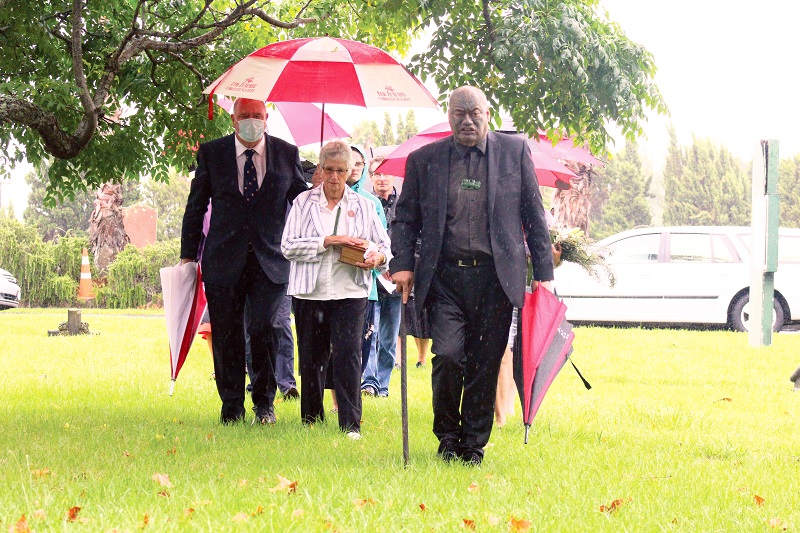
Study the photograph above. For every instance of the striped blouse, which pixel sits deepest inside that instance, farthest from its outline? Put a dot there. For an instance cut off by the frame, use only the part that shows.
(303, 236)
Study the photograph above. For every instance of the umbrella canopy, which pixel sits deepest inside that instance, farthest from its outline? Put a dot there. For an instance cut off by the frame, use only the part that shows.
(565, 149)
(546, 342)
(301, 120)
(549, 172)
(323, 70)
(184, 302)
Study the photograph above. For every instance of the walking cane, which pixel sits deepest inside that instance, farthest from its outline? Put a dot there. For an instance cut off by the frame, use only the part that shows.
(404, 382)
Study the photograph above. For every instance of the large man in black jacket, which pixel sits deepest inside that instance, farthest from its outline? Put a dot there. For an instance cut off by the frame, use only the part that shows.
(250, 177)
(469, 197)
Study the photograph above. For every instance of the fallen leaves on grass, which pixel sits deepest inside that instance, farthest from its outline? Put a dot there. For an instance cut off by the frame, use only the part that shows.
(614, 506)
(240, 517)
(164, 494)
(72, 514)
(172, 451)
(39, 514)
(298, 513)
(243, 483)
(493, 520)
(21, 526)
(423, 507)
(473, 487)
(362, 503)
(284, 485)
(723, 400)
(127, 454)
(758, 499)
(467, 523)
(518, 524)
(40, 472)
(145, 521)
(776, 523)
(259, 510)
(188, 512)
(162, 479)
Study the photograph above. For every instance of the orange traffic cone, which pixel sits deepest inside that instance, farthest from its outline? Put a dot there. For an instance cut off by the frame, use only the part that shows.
(85, 291)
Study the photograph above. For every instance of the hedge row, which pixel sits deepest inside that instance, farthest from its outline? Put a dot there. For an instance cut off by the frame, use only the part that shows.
(48, 273)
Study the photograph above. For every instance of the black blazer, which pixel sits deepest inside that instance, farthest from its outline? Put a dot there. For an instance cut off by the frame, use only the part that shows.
(234, 224)
(514, 204)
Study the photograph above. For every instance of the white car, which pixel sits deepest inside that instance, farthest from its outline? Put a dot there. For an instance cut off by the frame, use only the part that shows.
(680, 275)
(9, 290)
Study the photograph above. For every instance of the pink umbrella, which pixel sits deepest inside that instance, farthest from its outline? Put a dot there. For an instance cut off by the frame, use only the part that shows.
(322, 70)
(301, 120)
(549, 172)
(565, 149)
(184, 302)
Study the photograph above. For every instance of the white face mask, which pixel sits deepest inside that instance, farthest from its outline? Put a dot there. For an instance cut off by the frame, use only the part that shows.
(251, 129)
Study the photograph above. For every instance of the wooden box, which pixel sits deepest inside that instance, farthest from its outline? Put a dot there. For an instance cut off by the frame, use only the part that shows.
(353, 254)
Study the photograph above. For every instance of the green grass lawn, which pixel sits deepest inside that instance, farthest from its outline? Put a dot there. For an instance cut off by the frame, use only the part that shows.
(685, 430)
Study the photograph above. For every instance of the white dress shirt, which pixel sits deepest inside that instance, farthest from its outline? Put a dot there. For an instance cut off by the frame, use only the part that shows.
(259, 160)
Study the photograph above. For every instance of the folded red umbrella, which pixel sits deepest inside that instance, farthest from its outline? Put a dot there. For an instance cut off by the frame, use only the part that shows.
(546, 343)
(184, 303)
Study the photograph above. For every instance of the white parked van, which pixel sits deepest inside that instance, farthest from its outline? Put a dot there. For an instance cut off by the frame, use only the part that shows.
(680, 275)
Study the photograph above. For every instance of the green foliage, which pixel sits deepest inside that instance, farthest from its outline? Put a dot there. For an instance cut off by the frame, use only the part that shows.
(131, 104)
(47, 272)
(788, 185)
(627, 186)
(710, 188)
(67, 215)
(560, 66)
(409, 130)
(169, 199)
(134, 278)
(387, 138)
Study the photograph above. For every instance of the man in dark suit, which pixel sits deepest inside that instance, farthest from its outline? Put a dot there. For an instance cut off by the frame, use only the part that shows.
(469, 197)
(250, 177)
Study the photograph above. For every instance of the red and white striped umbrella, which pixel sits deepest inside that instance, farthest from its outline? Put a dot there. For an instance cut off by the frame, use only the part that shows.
(323, 70)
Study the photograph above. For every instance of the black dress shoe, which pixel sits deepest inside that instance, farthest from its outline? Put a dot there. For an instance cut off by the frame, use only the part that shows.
(231, 416)
(265, 414)
(472, 458)
(291, 394)
(448, 450)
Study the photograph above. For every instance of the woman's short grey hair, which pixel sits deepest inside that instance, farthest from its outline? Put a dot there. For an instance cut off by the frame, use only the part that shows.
(337, 150)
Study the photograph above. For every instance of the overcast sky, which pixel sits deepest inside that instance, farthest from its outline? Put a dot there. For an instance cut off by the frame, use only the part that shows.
(726, 68)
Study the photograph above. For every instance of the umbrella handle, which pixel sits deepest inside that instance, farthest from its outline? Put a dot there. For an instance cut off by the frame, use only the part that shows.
(527, 428)
(171, 386)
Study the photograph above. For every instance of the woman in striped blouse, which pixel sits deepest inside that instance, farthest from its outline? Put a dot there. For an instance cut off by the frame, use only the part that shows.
(330, 296)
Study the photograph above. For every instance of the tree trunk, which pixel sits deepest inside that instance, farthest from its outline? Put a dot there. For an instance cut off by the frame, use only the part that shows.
(107, 235)
(571, 208)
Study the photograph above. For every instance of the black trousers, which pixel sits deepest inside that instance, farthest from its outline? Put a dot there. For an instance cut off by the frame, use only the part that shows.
(329, 332)
(226, 308)
(470, 315)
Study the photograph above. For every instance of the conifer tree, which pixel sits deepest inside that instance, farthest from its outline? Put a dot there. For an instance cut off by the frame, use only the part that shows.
(628, 188)
(713, 189)
(788, 185)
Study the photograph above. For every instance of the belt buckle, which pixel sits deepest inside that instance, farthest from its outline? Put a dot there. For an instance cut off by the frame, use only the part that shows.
(469, 263)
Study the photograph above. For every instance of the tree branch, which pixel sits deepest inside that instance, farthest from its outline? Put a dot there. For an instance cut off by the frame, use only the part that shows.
(56, 141)
(88, 123)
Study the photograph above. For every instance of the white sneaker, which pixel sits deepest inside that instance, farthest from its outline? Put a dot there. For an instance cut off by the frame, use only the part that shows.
(353, 435)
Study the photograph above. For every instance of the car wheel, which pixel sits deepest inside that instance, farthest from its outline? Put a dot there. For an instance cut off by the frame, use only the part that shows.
(740, 314)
